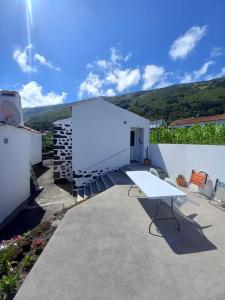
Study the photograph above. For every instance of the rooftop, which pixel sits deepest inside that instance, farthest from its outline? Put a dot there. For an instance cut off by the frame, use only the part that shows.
(20, 127)
(193, 120)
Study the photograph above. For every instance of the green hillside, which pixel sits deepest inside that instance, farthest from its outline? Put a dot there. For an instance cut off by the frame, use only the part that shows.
(170, 103)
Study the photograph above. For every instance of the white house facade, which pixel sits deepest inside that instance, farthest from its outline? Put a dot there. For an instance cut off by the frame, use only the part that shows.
(20, 146)
(15, 154)
(104, 138)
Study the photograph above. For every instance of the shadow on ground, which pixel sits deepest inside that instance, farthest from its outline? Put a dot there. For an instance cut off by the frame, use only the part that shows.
(26, 220)
(40, 170)
(190, 238)
(66, 186)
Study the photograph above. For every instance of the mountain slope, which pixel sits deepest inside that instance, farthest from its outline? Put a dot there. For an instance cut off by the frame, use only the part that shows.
(174, 102)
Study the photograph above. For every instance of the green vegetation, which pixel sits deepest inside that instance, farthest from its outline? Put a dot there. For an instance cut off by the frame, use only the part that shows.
(170, 103)
(175, 102)
(28, 262)
(210, 134)
(6, 256)
(43, 120)
(8, 285)
(47, 142)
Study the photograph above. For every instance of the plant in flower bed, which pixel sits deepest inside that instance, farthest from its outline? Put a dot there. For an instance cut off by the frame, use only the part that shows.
(210, 134)
(18, 255)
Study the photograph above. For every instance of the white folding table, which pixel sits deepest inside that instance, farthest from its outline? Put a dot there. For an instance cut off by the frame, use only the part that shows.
(156, 188)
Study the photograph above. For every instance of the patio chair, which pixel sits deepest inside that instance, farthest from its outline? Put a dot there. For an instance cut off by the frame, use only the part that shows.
(154, 172)
(170, 181)
(217, 198)
(180, 201)
(198, 178)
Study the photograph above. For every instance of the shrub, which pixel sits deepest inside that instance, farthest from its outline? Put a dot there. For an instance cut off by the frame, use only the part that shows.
(8, 285)
(28, 262)
(209, 134)
(6, 256)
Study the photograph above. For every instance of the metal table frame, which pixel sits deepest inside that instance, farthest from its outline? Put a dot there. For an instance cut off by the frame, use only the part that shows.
(158, 203)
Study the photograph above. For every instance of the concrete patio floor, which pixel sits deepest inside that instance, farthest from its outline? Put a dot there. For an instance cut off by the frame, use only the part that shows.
(102, 250)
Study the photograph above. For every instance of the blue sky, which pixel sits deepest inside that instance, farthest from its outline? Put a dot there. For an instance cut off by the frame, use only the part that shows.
(64, 50)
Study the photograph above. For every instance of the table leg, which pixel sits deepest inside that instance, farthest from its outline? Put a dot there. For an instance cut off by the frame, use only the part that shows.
(164, 219)
(178, 224)
(156, 214)
(130, 189)
(132, 186)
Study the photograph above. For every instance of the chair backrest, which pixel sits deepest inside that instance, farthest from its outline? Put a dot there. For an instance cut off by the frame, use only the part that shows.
(198, 178)
(219, 192)
(170, 181)
(180, 200)
(154, 172)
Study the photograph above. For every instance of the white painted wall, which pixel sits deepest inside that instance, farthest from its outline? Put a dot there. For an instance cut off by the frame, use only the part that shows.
(14, 169)
(182, 159)
(99, 132)
(36, 147)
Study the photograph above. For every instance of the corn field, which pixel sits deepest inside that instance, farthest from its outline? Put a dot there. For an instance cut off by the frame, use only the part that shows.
(210, 134)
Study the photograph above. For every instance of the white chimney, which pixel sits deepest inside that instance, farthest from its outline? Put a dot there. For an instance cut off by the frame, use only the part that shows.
(10, 108)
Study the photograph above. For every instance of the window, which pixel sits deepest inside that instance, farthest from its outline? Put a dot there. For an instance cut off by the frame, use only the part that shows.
(132, 138)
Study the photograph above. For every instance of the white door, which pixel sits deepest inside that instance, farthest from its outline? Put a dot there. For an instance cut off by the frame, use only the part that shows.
(132, 144)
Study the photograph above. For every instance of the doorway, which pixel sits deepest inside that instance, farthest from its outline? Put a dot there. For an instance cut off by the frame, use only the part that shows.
(136, 144)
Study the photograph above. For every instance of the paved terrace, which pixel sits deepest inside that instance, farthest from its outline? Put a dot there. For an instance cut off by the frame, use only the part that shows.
(102, 250)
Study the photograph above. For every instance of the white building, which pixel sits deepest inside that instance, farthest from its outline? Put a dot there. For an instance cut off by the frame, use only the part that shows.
(104, 138)
(19, 146)
(157, 123)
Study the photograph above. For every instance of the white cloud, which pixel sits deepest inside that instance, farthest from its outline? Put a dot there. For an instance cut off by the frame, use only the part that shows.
(217, 51)
(182, 46)
(124, 79)
(198, 74)
(110, 93)
(117, 57)
(22, 58)
(32, 95)
(216, 75)
(163, 83)
(92, 86)
(103, 64)
(42, 61)
(152, 74)
(108, 76)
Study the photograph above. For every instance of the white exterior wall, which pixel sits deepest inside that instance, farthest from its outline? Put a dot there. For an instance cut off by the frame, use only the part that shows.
(36, 147)
(182, 159)
(99, 133)
(14, 169)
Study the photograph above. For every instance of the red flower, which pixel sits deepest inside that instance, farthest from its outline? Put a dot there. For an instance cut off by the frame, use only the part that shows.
(38, 243)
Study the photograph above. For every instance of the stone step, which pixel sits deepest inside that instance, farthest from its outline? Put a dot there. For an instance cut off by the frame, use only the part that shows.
(119, 177)
(94, 188)
(80, 195)
(100, 184)
(87, 191)
(107, 181)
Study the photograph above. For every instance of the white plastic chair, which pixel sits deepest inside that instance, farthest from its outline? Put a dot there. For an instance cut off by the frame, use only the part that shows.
(180, 201)
(154, 172)
(170, 181)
